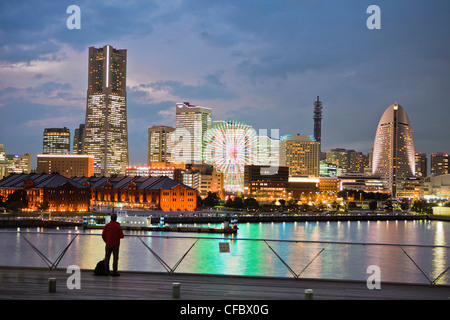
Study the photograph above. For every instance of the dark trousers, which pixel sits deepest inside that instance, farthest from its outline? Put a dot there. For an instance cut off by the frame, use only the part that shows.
(115, 252)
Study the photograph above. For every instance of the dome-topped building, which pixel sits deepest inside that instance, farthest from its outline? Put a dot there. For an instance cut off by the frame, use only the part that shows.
(393, 149)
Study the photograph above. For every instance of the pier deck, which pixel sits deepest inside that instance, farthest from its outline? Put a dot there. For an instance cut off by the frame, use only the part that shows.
(32, 284)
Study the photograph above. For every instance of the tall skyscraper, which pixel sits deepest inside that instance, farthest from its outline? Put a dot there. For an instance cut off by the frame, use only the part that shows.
(56, 141)
(318, 120)
(106, 131)
(78, 139)
(439, 163)
(301, 154)
(192, 122)
(160, 144)
(393, 150)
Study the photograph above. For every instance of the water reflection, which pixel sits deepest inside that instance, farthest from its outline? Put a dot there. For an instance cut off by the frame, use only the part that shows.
(255, 258)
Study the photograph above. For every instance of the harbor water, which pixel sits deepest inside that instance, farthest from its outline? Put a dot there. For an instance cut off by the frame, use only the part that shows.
(320, 250)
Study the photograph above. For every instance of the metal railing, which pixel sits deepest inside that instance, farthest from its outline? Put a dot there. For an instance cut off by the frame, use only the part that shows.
(171, 270)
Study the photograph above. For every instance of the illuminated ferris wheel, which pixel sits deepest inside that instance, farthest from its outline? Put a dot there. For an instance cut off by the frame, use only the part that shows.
(229, 146)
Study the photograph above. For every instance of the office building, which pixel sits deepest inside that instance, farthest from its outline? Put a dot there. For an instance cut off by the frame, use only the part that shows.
(69, 165)
(2, 161)
(211, 180)
(78, 140)
(268, 151)
(191, 178)
(56, 141)
(265, 186)
(327, 169)
(348, 160)
(192, 122)
(421, 164)
(18, 163)
(330, 184)
(300, 154)
(393, 151)
(106, 131)
(338, 157)
(160, 144)
(439, 163)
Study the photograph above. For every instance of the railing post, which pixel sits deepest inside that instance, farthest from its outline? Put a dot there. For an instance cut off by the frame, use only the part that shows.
(52, 285)
(176, 290)
(309, 294)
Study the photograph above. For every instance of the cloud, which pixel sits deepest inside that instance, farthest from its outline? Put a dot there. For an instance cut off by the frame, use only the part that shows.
(211, 87)
(31, 29)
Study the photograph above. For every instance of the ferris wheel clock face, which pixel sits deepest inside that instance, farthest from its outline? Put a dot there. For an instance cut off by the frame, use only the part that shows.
(230, 146)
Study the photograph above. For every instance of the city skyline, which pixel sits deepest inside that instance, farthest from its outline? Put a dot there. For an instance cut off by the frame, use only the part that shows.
(260, 63)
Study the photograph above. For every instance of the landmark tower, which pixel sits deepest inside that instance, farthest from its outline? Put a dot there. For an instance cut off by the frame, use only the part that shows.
(106, 132)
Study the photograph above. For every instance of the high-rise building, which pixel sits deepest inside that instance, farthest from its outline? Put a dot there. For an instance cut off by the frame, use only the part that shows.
(106, 131)
(301, 154)
(56, 141)
(439, 163)
(348, 160)
(318, 120)
(18, 163)
(338, 157)
(393, 150)
(159, 144)
(421, 164)
(192, 122)
(78, 139)
(2, 161)
(268, 151)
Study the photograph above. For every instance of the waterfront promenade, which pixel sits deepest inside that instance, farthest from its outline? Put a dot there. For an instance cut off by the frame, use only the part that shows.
(24, 283)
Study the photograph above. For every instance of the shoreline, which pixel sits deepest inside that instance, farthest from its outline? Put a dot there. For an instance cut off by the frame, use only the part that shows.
(30, 223)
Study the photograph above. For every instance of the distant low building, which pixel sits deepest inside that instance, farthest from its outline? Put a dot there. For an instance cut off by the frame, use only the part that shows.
(437, 185)
(79, 193)
(364, 182)
(265, 185)
(68, 165)
(158, 193)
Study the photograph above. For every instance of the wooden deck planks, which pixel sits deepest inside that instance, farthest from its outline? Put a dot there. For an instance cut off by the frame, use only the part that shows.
(32, 283)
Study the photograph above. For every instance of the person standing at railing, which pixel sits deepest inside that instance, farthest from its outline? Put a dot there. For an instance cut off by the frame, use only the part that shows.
(112, 233)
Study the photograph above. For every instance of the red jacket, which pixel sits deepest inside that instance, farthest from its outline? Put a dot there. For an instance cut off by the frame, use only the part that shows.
(112, 233)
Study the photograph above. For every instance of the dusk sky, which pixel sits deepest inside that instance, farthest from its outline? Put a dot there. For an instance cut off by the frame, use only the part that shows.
(260, 62)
